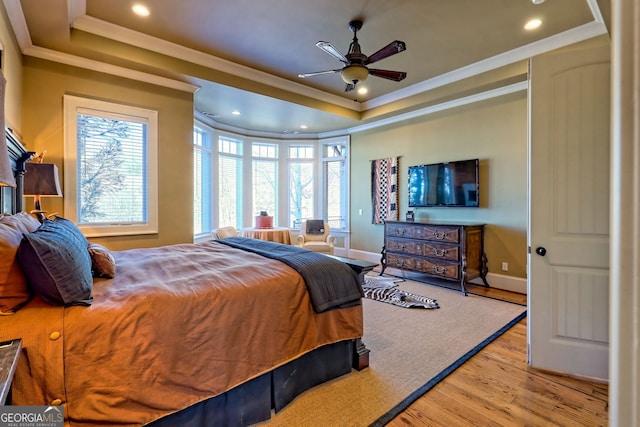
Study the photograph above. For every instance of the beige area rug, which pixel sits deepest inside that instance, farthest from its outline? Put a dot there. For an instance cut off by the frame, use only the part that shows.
(411, 350)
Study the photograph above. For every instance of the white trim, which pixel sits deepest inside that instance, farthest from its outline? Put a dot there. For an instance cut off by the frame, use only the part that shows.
(134, 38)
(81, 21)
(21, 31)
(257, 134)
(506, 283)
(18, 23)
(71, 106)
(624, 293)
(493, 93)
(76, 8)
(497, 281)
(568, 37)
(103, 67)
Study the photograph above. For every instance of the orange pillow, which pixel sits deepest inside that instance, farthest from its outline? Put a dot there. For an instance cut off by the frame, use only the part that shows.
(14, 290)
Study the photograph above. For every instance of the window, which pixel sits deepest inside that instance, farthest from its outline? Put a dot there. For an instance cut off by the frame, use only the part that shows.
(202, 194)
(265, 178)
(335, 181)
(110, 167)
(230, 182)
(301, 190)
(236, 177)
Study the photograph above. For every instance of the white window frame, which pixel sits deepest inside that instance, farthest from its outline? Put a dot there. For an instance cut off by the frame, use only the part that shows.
(72, 106)
(283, 208)
(208, 153)
(346, 142)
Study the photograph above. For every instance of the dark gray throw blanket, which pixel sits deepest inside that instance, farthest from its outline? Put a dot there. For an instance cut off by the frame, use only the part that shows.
(330, 283)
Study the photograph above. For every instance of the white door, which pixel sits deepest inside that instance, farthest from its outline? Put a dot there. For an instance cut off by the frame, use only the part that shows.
(568, 284)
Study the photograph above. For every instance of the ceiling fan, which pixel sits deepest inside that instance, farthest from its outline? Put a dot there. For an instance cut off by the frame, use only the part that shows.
(355, 69)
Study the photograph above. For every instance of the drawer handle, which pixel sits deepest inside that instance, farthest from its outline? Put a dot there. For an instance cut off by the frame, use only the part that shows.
(439, 236)
(403, 247)
(439, 252)
(403, 231)
(439, 270)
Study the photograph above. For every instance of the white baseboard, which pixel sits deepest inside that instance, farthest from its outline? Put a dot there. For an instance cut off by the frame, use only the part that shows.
(507, 283)
(498, 281)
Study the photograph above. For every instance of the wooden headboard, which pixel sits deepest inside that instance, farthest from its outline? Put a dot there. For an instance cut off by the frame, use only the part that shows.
(11, 199)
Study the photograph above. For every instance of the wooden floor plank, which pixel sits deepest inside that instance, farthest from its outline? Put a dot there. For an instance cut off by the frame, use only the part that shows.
(497, 387)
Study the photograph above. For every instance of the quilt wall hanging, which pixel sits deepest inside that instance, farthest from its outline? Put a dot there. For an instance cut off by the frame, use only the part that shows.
(384, 190)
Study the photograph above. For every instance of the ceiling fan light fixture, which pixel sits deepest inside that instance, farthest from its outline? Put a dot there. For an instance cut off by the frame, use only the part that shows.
(354, 73)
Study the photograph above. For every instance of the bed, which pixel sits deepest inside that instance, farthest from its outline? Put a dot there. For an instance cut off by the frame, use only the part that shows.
(189, 334)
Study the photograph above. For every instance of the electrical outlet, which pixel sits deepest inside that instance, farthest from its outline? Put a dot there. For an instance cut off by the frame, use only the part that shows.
(505, 266)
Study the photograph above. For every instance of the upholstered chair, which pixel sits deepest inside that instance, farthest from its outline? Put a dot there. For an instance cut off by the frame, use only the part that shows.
(314, 235)
(221, 233)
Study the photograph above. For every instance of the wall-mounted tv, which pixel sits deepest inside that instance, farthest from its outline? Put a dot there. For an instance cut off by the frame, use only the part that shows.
(448, 184)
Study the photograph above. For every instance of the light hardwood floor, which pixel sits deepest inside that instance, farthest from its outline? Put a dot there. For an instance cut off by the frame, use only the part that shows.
(497, 388)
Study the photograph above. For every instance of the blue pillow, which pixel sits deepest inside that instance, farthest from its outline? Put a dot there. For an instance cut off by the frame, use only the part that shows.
(55, 259)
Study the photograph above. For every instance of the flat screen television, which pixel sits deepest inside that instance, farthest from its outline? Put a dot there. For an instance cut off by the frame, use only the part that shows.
(448, 184)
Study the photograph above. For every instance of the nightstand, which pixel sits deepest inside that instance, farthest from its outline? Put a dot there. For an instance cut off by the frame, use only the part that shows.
(9, 354)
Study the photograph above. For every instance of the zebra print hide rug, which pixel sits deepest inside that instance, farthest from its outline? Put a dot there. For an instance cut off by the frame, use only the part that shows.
(385, 289)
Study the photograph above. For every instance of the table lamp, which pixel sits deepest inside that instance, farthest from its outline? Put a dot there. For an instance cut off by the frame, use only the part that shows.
(41, 179)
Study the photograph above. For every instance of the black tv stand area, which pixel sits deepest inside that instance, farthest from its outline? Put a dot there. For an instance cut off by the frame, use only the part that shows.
(450, 251)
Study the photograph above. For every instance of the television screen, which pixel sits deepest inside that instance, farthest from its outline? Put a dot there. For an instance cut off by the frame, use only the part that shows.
(453, 184)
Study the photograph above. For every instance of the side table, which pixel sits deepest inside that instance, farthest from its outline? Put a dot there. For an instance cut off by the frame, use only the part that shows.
(9, 354)
(361, 352)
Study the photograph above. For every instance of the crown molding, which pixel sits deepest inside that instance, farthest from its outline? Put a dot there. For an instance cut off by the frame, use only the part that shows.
(103, 67)
(111, 31)
(19, 26)
(556, 41)
(482, 96)
(79, 20)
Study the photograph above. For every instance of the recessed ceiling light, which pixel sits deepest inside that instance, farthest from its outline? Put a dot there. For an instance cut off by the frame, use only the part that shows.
(532, 24)
(140, 10)
(235, 112)
(303, 126)
(363, 90)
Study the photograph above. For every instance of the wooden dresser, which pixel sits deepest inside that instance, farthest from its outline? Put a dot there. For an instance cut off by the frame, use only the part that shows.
(446, 251)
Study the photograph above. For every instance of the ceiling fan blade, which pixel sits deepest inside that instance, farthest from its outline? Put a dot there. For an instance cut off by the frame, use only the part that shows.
(318, 73)
(390, 49)
(396, 76)
(328, 47)
(349, 87)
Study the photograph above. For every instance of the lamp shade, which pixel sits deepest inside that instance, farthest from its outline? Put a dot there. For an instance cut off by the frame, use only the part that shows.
(354, 73)
(6, 174)
(41, 179)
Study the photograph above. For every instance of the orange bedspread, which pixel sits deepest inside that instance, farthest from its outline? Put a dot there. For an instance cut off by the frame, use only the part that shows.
(178, 324)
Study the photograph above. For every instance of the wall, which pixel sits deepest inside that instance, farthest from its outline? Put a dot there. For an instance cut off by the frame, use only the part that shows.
(12, 70)
(495, 131)
(46, 82)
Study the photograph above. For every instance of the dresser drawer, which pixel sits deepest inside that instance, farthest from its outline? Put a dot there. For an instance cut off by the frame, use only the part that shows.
(440, 234)
(405, 246)
(441, 251)
(401, 261)
(448, 270)
(403, 230)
